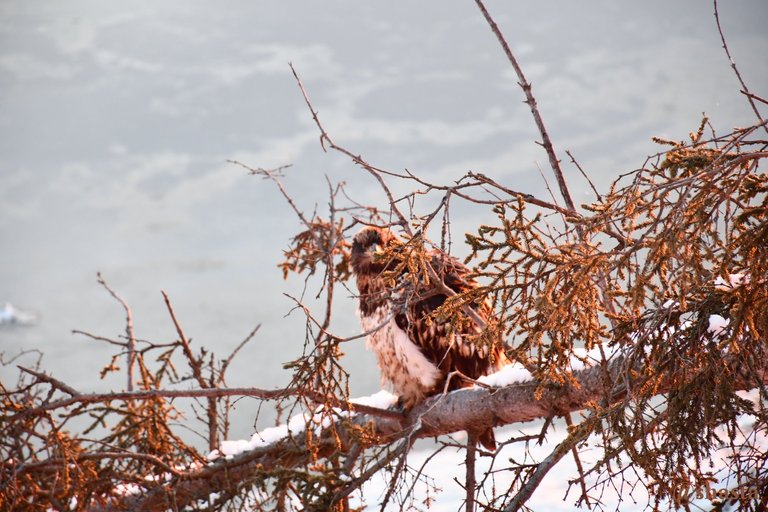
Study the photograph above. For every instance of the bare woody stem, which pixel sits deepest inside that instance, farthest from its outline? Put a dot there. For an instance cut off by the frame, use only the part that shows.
(77, 398)
(466, 409)
(525, 85)
(195, 364)
(470, 481)
(373, 171)
(577, 435)
(130, 344)
(745, 89)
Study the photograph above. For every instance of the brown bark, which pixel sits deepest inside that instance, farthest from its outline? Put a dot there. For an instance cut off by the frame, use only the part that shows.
(465, 409)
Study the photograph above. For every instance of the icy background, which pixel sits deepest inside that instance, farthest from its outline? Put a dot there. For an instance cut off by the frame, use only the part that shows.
(116, 121)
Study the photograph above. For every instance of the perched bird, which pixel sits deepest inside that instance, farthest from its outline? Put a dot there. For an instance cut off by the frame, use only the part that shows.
(418, 354)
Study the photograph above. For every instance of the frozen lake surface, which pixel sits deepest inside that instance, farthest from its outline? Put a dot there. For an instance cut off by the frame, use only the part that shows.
(117, 121)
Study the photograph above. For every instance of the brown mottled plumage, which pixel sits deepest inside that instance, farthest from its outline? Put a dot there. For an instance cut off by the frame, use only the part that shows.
(417, 352)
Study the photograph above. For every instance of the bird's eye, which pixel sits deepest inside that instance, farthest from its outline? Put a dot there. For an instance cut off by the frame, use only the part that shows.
(376, 249)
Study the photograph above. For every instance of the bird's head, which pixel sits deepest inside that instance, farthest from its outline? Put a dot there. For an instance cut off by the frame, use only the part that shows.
(367, 248)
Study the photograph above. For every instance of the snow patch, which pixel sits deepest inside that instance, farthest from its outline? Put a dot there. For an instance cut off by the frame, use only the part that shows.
(670, 304)
(383, 400)
(516, 372)
(128, 489)
(508, 374)
(718, 325)
(733, 282)
(583, 358)
(297, 424)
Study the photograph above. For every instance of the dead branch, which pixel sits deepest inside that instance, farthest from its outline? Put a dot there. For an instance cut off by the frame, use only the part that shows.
(196, 364)
(465, 409)
(78, 398)
(527, 88)
(576, 435)
(750, 97)
(470, 481)
(357, 159)
(130, 343)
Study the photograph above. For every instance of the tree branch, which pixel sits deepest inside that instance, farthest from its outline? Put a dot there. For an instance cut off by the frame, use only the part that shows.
(373, 171)
(465, 409)
(578, 434)
(130, 343)
(196, 363)
(745, 89)
(470, 481)
(78, 398)
(527, 88)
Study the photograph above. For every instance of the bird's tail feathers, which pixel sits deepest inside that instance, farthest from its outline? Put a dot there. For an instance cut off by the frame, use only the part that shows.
(487, 439)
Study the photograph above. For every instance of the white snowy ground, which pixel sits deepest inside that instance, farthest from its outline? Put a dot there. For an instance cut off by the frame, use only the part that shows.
(447, 468)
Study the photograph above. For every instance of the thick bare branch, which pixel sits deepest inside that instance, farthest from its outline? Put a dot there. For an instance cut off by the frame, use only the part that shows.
(465, 409)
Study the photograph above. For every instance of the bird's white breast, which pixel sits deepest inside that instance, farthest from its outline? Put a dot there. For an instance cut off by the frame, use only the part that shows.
(401, 361)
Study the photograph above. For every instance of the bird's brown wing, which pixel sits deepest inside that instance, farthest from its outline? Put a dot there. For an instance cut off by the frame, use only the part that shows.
(449, 345)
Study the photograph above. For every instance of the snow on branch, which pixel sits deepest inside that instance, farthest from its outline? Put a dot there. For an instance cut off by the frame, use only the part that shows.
(238, 464)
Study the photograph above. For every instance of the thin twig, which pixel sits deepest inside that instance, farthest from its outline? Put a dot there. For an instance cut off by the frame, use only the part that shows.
(100, 338)
(744, 87)
(56, 383)
(546, 142)
(755, 96)
(131, 339)
(273, 175)
(586, 177)
(231, 356)
(373, 171)
(368, 473)
(577, 460)
(196, 365)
